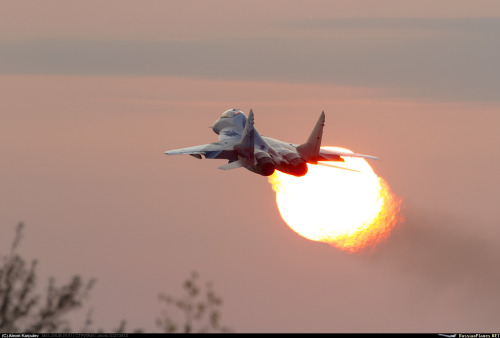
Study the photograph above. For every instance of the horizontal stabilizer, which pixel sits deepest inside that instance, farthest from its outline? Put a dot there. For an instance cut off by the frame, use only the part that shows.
(325, 152)
(335, 166)
(359, 155)
(241, 163)
(331, 157)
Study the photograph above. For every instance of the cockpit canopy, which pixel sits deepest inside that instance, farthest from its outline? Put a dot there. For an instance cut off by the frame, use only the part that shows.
(232, 120)
(231, 113)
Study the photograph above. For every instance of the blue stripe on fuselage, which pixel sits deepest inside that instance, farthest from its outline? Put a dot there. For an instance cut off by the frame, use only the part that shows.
(212, 154)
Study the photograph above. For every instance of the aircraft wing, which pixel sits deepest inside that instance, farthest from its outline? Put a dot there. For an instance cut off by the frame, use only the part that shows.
(210, 150)
(332, 154)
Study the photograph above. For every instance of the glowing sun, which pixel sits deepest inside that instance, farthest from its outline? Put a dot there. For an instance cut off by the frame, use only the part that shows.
(352, 210)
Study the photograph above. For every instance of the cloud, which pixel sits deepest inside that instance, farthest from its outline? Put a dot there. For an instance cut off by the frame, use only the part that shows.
(457, 66)
(479, 25)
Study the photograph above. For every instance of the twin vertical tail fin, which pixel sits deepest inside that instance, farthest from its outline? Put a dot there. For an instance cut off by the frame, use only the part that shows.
(245, 147)
(310, 150)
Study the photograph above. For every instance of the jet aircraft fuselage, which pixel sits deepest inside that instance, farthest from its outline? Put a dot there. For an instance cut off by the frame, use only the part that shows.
(241, 144)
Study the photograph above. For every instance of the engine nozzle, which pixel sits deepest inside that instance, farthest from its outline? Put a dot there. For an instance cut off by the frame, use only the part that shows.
(298, 167)
(265, 166)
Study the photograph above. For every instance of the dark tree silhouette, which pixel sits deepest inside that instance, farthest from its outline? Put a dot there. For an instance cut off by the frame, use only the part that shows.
(199, 310)
(21, 309)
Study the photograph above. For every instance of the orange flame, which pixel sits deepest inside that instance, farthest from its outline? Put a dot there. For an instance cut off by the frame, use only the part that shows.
(379, 229)
(352, 211)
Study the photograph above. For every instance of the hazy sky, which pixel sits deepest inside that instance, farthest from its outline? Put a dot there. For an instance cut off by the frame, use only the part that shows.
(93, 93)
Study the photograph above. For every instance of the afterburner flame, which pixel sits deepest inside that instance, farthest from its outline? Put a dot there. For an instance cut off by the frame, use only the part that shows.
(350, 210)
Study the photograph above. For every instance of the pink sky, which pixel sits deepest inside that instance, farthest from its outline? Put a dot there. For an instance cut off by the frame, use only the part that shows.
(83, 167)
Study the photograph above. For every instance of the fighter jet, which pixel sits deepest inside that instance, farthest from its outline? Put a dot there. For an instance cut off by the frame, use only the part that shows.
(242, 145)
